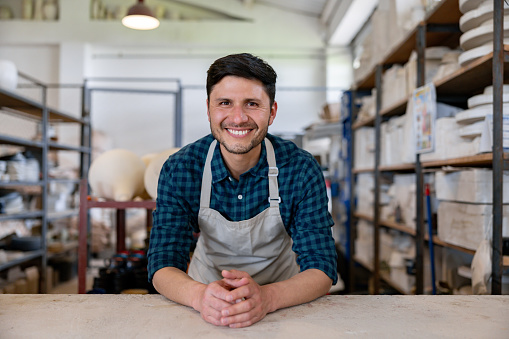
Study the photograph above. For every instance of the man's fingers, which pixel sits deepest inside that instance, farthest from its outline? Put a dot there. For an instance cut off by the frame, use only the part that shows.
(234, 274)
(236, 283)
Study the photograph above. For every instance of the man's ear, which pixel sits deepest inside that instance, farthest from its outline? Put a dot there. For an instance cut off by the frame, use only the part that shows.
(208, 112)
(273, 112)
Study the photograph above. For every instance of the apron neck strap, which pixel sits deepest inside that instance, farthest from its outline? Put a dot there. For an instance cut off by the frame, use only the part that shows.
(274, 198)
(206, 184)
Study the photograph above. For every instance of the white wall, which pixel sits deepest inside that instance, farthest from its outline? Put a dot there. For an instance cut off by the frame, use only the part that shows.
(76, 47)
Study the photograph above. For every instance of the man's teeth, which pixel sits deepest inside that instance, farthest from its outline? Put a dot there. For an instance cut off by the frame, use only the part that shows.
(232, 131)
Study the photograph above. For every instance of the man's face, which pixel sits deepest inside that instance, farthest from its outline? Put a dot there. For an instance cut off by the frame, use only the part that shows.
(239, 113)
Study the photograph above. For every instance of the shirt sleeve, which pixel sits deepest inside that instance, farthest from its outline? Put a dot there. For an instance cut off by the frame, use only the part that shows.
(311, 230)
(171, 236)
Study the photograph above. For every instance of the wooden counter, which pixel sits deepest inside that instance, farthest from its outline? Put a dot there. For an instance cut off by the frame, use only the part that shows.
(153, 316)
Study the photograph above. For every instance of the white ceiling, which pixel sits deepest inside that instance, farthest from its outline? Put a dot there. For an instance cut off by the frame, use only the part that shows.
(341, 19)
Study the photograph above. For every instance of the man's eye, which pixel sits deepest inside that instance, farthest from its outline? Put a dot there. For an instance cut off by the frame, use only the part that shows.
(224, 103)
(252, 104)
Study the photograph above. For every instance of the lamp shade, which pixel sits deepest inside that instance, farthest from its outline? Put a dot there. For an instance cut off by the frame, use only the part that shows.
(140, 17)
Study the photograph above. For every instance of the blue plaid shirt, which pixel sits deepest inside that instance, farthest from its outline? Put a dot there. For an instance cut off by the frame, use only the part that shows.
(303, 204)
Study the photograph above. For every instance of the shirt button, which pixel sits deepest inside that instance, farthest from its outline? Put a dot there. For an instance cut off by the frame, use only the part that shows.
(239, 196)
(230, 178)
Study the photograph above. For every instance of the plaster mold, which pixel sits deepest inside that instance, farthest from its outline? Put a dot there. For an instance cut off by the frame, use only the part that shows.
(151, 176)
(117, 175)
(481, 35)
(483, 99)
(469, 5)
(471, 55)
(478, 16)
(477, 113)
(8, 75)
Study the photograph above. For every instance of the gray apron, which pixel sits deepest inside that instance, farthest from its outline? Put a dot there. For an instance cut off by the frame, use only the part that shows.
(259, 246)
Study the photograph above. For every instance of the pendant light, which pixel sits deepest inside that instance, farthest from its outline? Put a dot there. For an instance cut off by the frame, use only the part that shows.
(140, 17)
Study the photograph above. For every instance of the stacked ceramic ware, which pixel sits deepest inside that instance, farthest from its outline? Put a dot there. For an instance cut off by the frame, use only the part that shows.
(476, 23)
(473, 119)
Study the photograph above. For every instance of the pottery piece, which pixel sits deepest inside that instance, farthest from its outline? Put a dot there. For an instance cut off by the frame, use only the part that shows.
(151, 176)
(117, 174)
(50, 10)
(38, 12)
(28, 9)
(5, 13)
(8, 75)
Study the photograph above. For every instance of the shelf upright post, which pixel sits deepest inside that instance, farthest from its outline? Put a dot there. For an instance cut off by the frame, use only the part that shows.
(44, 200)
(419, 213)
(498, 155)
(86, 132)
(376, 216)
(352, 234)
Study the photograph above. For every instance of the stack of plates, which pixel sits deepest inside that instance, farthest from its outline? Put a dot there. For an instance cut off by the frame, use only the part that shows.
(478, 107)
(477, 27)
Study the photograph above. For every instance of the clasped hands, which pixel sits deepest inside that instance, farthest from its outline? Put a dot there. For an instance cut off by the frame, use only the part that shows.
(234, 301)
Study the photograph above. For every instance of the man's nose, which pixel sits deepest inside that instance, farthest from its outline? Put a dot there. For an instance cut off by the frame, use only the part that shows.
(238, 114)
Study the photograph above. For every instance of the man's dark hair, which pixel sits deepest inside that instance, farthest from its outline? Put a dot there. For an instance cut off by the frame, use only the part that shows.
(246, 66)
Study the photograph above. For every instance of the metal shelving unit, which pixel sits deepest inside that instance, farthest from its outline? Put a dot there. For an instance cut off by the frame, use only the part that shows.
(38, 111)
(441, 28)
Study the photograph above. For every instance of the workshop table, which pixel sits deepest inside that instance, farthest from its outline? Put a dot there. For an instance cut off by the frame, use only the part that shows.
(333, 316)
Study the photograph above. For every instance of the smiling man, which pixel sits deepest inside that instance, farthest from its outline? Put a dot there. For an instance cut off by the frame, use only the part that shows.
(258, 202)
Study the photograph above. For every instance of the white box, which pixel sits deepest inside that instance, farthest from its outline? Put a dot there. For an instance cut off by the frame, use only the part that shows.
(464, 224)
(364, 243)
(393, 140)
(364, 152)
(364, 193)
(472, 185)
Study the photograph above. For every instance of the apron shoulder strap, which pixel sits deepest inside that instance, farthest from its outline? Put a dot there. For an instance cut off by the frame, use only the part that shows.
(274, 198)
(206, 182)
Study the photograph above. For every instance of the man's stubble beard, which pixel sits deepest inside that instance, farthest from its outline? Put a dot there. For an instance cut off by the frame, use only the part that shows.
(238, 148)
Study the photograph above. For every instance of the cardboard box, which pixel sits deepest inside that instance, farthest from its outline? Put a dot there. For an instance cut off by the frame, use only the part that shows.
(471, 185)
(331, 112)
(464, 224)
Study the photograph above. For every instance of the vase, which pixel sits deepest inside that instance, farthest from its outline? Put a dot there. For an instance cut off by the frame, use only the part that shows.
(38, 15)
(8, 75)
(50, 10)
(28, 9)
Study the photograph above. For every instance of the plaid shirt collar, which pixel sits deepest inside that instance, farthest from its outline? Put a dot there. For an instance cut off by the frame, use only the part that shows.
(220, 172)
